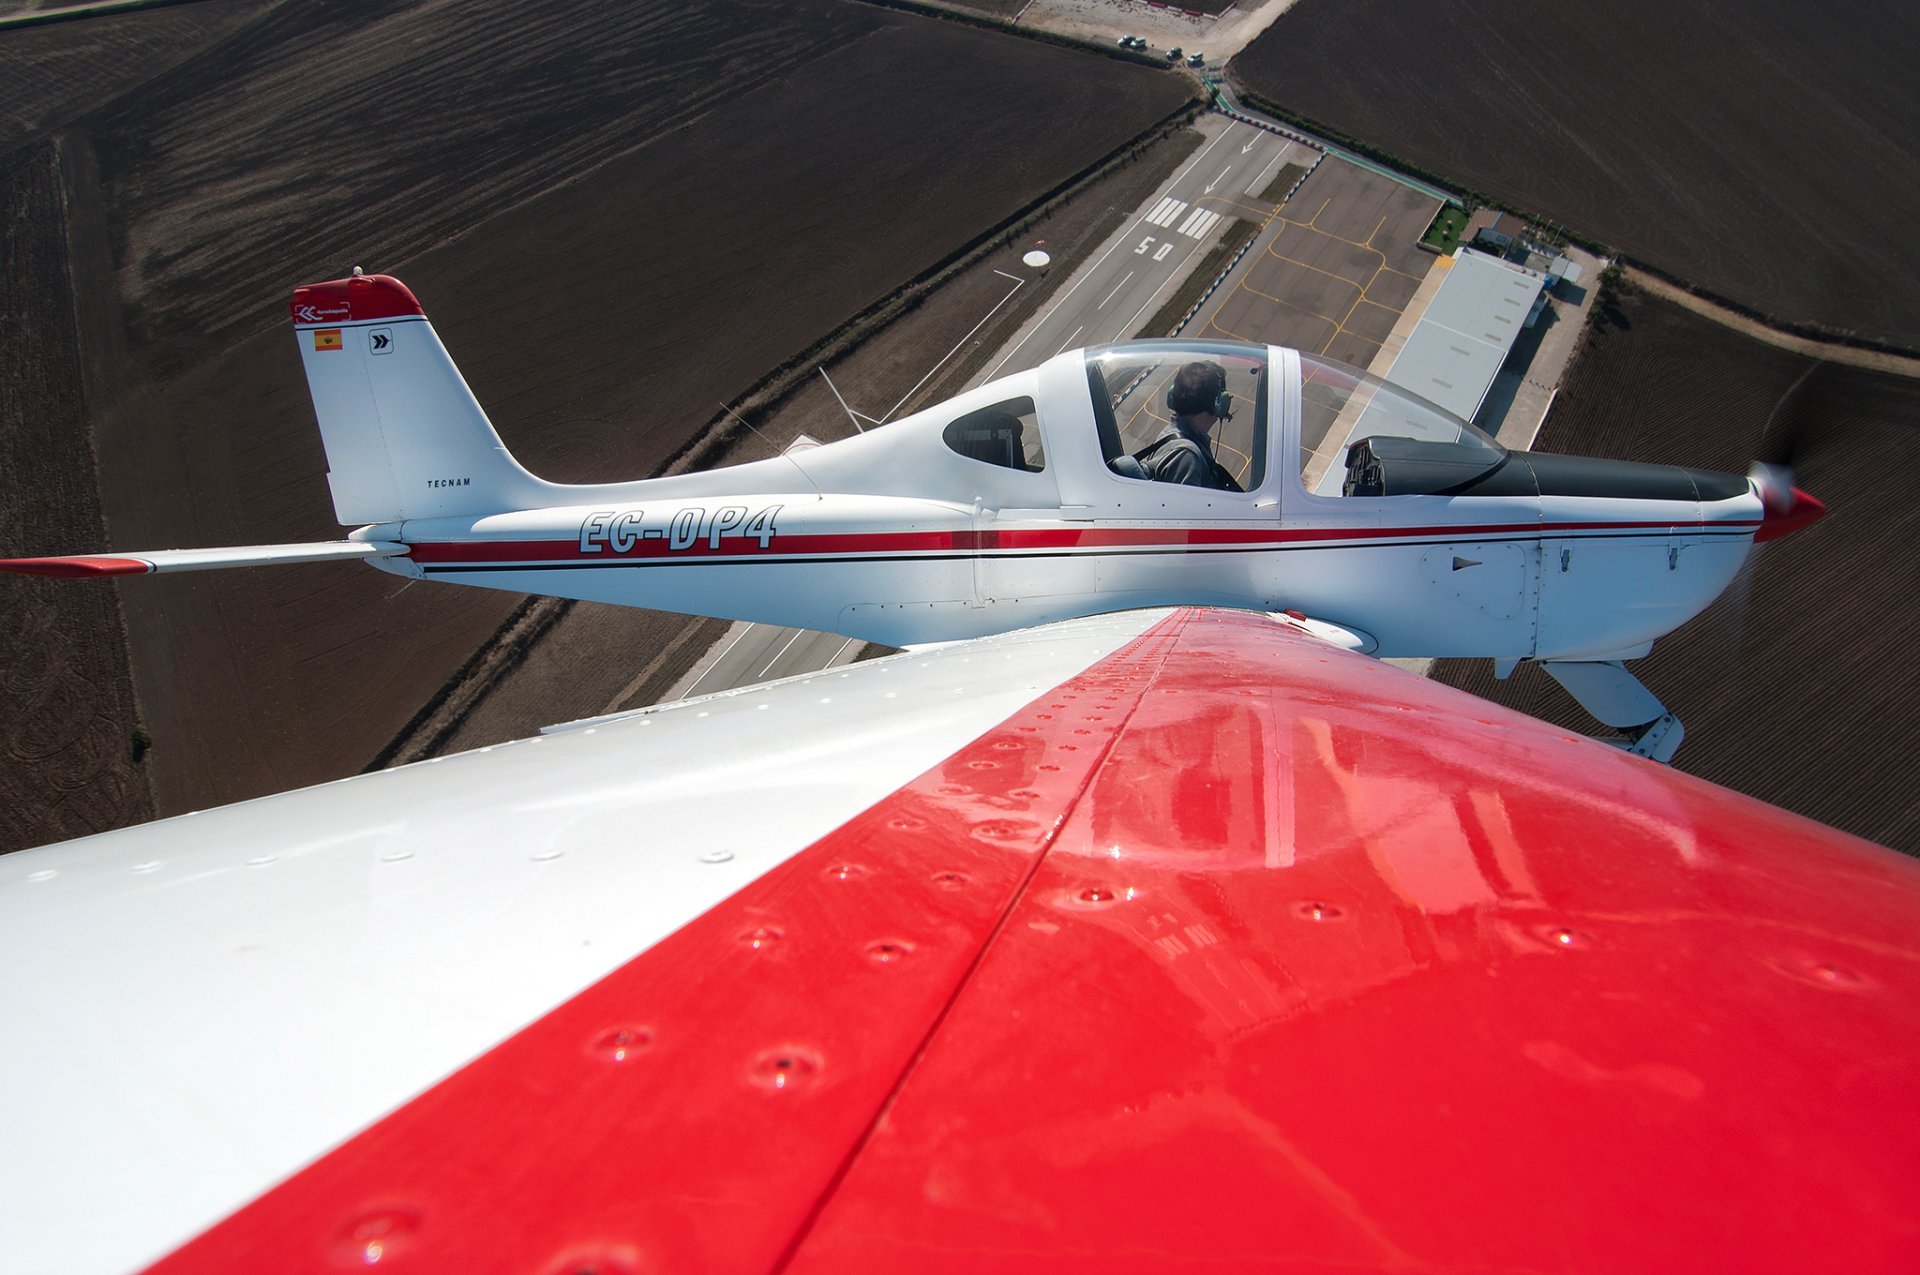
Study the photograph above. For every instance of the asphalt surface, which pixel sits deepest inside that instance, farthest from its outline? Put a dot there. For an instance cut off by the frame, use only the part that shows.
(1132, 277)
(1333, 272)
(752, 653)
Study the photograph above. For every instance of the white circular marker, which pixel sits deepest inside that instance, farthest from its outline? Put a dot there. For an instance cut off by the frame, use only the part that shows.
(1036, 259)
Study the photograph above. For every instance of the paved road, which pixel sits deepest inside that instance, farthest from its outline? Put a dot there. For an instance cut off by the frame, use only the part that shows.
(1132, 276)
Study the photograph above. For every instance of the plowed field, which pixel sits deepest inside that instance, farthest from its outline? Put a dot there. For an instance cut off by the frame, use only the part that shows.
(1765, 151)
(1799, 685)
(619, 217)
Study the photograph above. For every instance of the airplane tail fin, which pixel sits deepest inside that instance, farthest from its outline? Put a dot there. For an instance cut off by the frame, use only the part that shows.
(405, 437)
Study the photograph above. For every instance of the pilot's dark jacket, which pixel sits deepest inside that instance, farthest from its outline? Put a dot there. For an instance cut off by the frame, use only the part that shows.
(1182, 454)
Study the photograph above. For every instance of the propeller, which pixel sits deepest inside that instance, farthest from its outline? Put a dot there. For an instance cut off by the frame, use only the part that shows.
(1775, 485)
(1786, 507)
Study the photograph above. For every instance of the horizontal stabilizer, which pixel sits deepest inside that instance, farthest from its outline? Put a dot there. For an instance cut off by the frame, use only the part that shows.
(147, 562)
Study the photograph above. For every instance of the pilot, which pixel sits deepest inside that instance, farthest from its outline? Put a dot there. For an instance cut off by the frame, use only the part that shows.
(1183, 453)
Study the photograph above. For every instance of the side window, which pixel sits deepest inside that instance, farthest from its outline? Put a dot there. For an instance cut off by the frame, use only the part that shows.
(1006, 434)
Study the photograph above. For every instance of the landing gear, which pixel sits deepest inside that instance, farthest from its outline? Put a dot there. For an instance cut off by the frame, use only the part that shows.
(1617, 698)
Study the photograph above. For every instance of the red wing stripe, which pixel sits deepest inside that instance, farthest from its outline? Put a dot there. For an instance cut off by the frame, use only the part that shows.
(689, 1111)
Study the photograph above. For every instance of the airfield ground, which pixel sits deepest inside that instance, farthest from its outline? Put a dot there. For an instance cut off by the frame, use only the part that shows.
(618, 220)
(67, 763)
(585, 249)
(1765, 152)
(1340, 264)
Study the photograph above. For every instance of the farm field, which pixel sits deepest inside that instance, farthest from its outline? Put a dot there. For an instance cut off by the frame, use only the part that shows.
(66, 746)
(1798, 686)
(618, 221)
(1764, 152)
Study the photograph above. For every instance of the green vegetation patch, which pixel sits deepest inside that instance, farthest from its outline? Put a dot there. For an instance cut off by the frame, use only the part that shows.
(1443, 236)
(1283, 183)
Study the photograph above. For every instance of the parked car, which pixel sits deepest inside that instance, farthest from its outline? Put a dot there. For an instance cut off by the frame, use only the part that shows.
(1198, 59)
(1173, 54)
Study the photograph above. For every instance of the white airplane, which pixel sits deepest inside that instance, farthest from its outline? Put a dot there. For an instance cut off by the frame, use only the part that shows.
(1360, 509)
(1169, 938)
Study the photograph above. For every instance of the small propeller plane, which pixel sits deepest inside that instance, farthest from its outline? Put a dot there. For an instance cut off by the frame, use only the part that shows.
(1352, 507)
(1170, 931)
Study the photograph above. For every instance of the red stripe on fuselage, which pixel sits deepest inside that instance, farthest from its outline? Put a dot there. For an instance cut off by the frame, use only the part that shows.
(760, 1043)
(912, 543)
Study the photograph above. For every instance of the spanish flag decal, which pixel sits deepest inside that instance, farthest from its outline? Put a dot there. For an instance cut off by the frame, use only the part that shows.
(327, 339)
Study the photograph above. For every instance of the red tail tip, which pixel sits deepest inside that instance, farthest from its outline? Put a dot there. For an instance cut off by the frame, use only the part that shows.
(349, 300)
(1799, 511)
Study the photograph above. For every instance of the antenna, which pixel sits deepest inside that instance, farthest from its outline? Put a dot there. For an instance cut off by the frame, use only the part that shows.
(855, 417)
(781, 452)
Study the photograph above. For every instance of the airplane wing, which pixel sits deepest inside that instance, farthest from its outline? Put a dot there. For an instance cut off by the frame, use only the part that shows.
(1178, 939)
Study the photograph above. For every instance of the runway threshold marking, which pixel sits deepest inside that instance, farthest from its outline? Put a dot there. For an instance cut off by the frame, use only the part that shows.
(1199, 224)
(1165, 211)
(1092, 270)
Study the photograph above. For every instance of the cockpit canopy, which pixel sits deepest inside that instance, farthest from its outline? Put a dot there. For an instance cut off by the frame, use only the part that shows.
(1242, 409)
(1360, 436)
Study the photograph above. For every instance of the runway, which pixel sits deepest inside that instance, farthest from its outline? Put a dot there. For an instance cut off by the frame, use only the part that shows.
(1141, 266)
(751, 653)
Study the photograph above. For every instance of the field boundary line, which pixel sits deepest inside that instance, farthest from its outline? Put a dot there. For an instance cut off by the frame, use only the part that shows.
(1832, 351)
(76, 12)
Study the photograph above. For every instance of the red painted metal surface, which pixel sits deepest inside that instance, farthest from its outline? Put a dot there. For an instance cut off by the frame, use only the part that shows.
(1332, 968)
(1236, 952)
(76, 567)
(688, 1112)
(1801, 510)
(370, 296)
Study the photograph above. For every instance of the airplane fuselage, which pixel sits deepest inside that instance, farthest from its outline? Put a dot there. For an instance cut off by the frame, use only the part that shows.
(1544, 577)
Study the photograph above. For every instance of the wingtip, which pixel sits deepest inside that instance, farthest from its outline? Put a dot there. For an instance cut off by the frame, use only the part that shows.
(76, 568)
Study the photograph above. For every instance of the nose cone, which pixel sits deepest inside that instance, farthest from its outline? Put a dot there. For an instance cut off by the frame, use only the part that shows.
(1791, 514)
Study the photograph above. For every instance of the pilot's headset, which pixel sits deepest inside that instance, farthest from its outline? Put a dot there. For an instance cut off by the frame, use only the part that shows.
(1209, 395)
